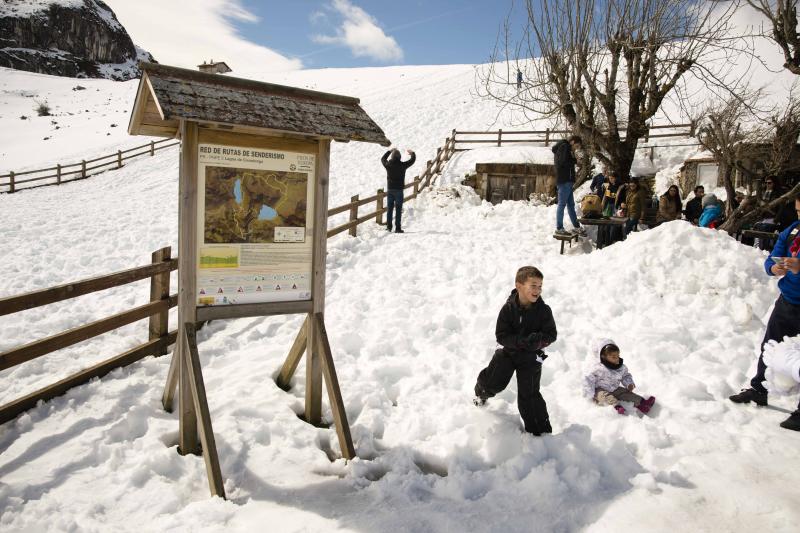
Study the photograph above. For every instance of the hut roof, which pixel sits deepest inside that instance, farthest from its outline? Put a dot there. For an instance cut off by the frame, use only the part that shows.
(167, 94)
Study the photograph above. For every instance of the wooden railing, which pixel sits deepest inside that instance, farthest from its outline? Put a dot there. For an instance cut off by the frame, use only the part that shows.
(161, 301)
(432, 170)
(547, 136)
(59, 174)
(158, 328)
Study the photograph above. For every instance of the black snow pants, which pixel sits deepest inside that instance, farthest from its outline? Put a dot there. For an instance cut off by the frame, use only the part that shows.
(495, 378)
(784, 321)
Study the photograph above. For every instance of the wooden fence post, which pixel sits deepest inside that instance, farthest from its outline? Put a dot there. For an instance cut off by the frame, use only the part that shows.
(499, 137)
(428, 173)
(647, 133)
(119, 158)
(83, 168)
(11, 187)
(692, 126)
(547, 137)
(159, 290)
(379, 207)
(416, 186)
(58, 173)
(152, 148)
(353, 214)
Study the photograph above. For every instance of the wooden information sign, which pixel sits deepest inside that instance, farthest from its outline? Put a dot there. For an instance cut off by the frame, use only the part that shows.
(252, 224)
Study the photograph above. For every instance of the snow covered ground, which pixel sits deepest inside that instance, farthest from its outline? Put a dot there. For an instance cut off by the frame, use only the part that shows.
(411, 319)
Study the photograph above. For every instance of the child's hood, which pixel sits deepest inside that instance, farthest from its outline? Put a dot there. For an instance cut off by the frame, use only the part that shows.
(599, 344)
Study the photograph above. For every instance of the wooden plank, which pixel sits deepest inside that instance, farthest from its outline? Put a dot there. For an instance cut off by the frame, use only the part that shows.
(313, 396)
(168, 396)
(30, 300)
(255, 309)
(187, 223)
(198, 389)
(188, 443)
(159, 290)
(217, 136)
(293, 359)
(67, 338)
(313, 399)
(334, 392)
(11, 410)
(353, 214)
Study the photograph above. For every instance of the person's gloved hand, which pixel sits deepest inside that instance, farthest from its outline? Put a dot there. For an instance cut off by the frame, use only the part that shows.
(537, 341)
(540, 356)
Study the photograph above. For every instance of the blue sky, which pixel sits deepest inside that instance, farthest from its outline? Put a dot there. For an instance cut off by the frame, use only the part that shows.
(355, 33)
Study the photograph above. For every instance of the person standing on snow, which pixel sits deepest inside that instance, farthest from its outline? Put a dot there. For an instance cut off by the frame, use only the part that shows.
(519, 79)
(564, 161)
(525, 326)
(784, 321)
(395, 182)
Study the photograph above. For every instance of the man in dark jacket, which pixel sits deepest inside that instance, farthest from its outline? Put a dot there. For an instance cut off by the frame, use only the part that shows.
(395, 181)
(525, 326)
(564, 162)
(785, 318)
(694, 207)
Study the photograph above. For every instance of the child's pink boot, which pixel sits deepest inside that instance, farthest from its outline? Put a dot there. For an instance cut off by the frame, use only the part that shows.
(645, 406)
(619, 409)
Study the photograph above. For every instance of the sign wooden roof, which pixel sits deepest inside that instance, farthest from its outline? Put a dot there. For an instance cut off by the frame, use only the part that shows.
(168, 94)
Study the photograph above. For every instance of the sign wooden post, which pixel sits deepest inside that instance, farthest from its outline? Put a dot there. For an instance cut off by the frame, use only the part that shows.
(252, 225)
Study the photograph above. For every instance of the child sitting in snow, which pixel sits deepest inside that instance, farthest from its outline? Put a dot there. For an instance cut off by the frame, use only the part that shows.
(609, 382)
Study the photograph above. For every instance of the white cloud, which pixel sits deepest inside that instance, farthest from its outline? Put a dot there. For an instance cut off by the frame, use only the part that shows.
(184, 33)
(361, 34)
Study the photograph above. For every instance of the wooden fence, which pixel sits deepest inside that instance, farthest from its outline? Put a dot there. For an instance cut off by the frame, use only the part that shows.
(157, 310)
(547, 136)
(161, 301)
(59, 174)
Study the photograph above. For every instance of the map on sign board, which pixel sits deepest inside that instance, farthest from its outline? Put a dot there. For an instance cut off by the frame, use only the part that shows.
(249, 205)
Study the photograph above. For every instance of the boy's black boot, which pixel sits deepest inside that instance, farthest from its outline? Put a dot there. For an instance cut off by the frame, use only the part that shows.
(750, 395)
(793, 422)
(480, 396)
(545, 425)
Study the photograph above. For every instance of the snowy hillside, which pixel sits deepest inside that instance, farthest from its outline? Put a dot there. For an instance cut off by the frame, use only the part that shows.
(411, 319)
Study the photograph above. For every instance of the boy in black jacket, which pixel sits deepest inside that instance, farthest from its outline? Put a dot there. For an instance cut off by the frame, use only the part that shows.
(525, 326)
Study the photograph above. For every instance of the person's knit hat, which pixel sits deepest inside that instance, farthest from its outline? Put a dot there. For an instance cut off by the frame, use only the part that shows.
(709, 199)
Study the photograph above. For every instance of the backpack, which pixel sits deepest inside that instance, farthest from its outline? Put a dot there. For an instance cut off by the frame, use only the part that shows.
(591, 206)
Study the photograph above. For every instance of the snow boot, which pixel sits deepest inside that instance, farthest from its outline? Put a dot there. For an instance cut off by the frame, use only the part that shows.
(480, 396)
(562, 233)
(388, 227)
(579, 231)
(398, 230)
(619, 409)
(793, 422)
(545, 426)
(750, 395)
(645, 405)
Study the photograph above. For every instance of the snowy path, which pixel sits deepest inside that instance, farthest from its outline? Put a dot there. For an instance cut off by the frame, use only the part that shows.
(411, 319)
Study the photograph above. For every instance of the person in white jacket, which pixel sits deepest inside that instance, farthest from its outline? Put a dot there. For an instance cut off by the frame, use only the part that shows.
(609, 382)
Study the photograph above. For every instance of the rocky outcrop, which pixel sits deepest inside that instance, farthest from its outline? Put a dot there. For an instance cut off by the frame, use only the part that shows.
(75, 38)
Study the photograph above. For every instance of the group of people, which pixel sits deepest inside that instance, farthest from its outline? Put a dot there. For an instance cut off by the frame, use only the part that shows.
(525, 324)
(525, 327)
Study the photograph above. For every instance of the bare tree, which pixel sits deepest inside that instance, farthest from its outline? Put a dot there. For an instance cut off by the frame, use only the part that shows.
(605, 67)
(782, 15)
(733, 133)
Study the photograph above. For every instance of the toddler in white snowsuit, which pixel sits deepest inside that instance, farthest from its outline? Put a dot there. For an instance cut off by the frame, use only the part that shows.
(609, 382)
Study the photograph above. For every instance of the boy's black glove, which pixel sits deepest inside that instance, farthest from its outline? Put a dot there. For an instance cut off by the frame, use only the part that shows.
(540, 355)
(537, 341)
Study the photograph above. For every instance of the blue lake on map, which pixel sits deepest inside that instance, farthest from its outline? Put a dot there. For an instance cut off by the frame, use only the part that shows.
(266, 213)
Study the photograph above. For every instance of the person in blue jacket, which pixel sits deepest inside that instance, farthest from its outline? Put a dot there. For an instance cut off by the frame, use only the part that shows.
(785, 318)
(712, 211)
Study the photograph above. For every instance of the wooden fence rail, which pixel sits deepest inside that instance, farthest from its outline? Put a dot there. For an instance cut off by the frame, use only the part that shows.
(10, 182)
(161, 301)
(547, 136)
(157, 310)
